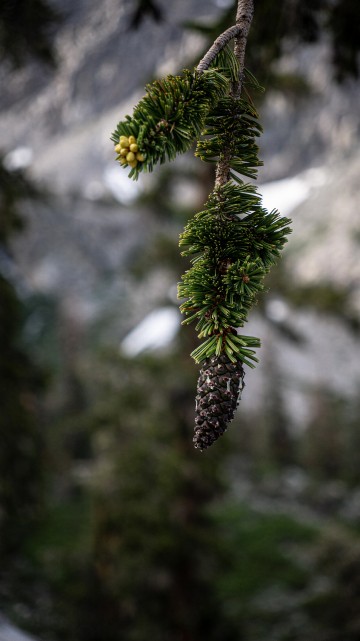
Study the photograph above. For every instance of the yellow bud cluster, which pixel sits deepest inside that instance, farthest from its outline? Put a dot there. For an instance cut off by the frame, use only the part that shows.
(128, 151)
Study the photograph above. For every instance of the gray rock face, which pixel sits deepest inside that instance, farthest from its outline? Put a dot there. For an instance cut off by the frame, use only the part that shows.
(101, 64)
(312, 129)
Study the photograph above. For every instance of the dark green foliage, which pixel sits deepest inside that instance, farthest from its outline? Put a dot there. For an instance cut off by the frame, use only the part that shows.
(13, 188)
(26, 29)
(25, 32)
(143, 8)
(234, 239)
(227, 63)
(259, 550)
(233, 225)
(21, 451)
(336, 607)
(148, 566)
(171, 116)
(235, 242)
(344, 24)
(231, 129)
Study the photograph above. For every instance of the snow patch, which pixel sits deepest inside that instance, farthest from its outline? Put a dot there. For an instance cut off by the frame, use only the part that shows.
(287, 194)
(18, 158)
(125, 191)
(157, 330)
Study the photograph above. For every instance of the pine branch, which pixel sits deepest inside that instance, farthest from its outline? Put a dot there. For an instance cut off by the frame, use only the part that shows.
(171, 115)
(221, 377)
(234, 240)
(244, 16)
(231, 129)
(168, 120)
(233, 243)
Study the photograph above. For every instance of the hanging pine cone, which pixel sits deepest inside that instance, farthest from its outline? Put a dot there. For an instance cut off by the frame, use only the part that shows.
(219, 387)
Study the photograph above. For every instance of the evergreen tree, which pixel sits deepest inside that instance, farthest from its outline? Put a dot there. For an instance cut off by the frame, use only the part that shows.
(21, 449)
(25, 32)
(154, 561)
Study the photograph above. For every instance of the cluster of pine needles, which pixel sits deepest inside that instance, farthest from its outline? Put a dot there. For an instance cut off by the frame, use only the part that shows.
(234, 240)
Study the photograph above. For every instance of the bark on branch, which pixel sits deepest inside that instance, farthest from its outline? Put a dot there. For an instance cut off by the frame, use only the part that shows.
(218, 45)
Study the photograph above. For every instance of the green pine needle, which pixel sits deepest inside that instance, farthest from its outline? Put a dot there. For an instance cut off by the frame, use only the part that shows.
(171, 116)
(233, 241)
(232, 126)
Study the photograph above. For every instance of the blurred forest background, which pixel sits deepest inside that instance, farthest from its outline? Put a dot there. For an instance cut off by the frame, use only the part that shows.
(111, 526)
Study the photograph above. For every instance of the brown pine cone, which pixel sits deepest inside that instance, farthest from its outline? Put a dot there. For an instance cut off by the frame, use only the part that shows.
(218, 391)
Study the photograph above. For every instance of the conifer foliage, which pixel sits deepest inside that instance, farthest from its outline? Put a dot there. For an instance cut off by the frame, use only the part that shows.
(234, 240)
(171, 116)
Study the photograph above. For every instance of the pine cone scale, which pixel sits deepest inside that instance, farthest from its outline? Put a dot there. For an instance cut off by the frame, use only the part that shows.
(219, 385)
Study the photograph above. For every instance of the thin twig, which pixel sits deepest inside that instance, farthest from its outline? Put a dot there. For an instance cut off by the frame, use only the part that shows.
(244, 16)
(218, 45)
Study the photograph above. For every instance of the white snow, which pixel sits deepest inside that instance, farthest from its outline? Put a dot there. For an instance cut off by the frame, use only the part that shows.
(8, 632)
(157, 330)
(18, 158)
(287, 194)
(277, 309)
(124, 190)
